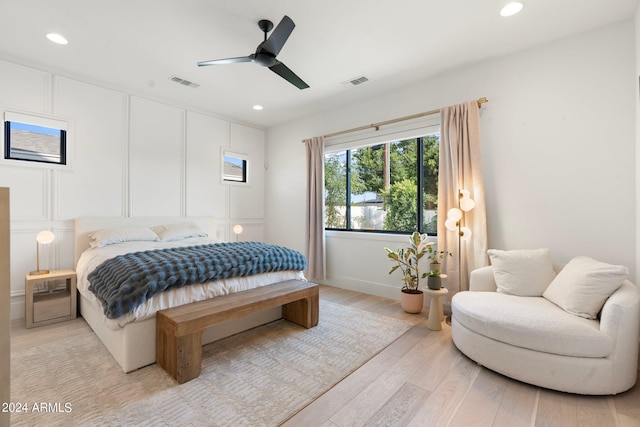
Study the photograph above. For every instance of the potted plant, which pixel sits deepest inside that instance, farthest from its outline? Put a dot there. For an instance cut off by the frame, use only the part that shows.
(436, 257)
(434, 280)
(408, 261)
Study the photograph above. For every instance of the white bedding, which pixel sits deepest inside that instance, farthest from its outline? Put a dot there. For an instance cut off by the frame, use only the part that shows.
(93, 257)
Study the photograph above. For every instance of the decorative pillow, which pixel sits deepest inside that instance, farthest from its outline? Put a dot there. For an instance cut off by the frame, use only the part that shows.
(171, 232)
(109, 236)
(524, 272)
(583, 286)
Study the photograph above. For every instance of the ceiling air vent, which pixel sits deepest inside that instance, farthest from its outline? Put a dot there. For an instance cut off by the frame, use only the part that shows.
(184, 82)
(355, 81)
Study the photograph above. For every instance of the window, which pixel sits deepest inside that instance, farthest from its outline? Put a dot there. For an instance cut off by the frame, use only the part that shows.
(35, 139)
(380, 187)
(235, 168)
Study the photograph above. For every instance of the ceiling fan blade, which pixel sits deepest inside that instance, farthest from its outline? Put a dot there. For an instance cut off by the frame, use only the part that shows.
(226, 61)
(279, 36)
(283, 71)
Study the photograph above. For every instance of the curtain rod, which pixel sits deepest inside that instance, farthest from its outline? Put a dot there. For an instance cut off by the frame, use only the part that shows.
(376, 126)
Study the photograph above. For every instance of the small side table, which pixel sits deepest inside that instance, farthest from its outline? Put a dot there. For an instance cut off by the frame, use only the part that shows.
(50, 298)
(436, 314)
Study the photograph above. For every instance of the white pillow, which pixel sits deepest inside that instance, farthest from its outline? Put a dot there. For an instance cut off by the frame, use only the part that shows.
(170, 232)
(583, 286)
(109, 236)
(524, 272)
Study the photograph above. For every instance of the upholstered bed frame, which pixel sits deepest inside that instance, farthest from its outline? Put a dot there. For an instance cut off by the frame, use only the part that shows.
(134, 345)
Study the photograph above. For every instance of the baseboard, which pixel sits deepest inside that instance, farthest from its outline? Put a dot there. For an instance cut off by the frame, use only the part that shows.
(377, 289)
(350, 284)
(17, 307)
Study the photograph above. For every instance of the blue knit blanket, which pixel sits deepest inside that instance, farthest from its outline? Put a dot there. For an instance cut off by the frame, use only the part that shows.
(126, 281)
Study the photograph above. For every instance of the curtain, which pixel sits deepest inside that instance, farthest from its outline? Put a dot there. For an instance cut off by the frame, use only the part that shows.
(315, 243)
(460, 168)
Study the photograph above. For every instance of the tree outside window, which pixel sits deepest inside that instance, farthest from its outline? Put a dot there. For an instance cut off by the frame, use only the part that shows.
(335, 190)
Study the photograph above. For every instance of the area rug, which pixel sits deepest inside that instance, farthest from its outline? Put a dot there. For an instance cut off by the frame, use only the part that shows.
(256, 378)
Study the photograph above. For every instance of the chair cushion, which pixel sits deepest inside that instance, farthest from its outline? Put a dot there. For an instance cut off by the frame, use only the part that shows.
(583, 286)
(523, 272)
(533, 323)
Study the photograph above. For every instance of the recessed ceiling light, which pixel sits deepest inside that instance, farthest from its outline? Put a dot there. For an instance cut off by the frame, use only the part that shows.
(257, 107)
(57, 38)
(511, 9)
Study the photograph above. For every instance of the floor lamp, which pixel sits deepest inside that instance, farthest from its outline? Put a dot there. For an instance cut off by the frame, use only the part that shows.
(455, 222)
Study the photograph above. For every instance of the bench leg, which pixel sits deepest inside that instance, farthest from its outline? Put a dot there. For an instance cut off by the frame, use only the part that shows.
(181, 356)
(303, 312)
(189, 357)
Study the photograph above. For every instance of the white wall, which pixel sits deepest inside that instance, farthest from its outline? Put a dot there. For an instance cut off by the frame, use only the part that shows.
(132, 156)
(558, 154)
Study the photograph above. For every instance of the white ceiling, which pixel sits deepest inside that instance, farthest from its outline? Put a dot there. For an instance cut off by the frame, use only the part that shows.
(138, 45)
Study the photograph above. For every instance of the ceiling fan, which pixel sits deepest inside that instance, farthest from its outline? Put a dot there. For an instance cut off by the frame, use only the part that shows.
(267, 51)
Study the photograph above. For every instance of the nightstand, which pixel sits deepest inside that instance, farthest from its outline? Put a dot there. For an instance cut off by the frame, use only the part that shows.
(50, 297)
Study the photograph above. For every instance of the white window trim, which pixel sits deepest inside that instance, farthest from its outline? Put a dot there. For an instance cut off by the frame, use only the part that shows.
(394, 132)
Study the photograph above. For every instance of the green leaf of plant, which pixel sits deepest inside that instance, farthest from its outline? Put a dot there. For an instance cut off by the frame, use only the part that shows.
(415, 239)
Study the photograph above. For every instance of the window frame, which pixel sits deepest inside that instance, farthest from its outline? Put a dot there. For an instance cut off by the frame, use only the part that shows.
(41, 120)
(246, 169)
(419, 184)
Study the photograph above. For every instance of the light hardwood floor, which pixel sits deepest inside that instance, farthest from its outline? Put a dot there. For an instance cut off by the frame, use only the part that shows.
(421, 380)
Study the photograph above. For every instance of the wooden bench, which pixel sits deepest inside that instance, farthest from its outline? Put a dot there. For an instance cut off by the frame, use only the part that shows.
(179, 329)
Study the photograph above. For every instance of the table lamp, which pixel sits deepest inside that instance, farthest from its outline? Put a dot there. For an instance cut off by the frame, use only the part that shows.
(237, 229)
(43, 238)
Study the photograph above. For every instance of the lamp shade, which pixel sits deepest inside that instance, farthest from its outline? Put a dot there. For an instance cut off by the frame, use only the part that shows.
(237, 229)
(455, 214)
(451, 224)
(45, 237)
(465, 234)
(467, 203)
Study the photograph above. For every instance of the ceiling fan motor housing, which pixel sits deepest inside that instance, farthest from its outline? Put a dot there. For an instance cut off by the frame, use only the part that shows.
(266, 59)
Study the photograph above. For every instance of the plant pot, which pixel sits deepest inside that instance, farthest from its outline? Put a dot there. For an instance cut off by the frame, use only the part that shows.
(434, 282)
(411, 300)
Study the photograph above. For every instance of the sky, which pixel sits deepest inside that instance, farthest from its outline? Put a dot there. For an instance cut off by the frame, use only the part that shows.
(35, 129)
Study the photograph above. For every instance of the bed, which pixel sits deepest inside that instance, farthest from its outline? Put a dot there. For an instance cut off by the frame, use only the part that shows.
(131, 338)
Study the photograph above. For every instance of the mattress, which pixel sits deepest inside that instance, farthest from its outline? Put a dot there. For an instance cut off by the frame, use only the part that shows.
(93, 257)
